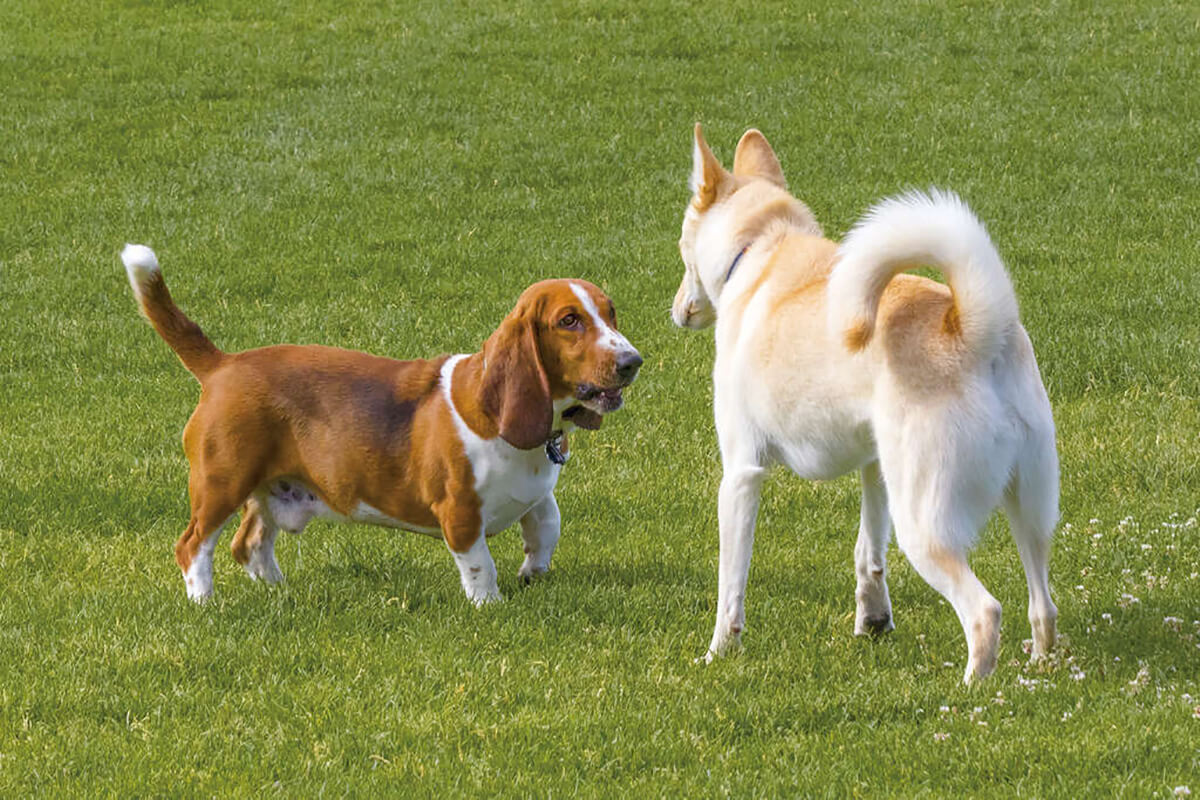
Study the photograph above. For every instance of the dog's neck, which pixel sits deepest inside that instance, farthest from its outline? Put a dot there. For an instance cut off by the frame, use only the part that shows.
(736, 259)
(753, 217)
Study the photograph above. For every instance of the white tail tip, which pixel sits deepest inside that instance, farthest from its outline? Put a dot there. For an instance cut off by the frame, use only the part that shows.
(140, 263)
(139, 257)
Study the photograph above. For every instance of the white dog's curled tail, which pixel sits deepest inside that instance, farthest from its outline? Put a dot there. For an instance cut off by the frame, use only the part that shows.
(913, 230)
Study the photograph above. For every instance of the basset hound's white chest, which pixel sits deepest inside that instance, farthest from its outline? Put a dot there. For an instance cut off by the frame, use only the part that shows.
(508, 481)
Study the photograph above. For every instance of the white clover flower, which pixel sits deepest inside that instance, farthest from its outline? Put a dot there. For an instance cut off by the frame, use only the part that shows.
(1127, 600)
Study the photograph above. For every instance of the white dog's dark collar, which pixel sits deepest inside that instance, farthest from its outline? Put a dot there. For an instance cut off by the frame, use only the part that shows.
(733, 266)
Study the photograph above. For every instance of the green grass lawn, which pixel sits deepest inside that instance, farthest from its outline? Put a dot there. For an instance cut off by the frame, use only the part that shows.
(389, 179)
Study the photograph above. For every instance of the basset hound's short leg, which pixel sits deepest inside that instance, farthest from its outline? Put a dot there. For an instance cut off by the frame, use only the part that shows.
(478, 572)
(465, 537)
(539, 530)
(254, 543)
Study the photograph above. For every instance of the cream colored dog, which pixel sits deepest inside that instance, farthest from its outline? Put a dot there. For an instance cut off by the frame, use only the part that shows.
(828, 360)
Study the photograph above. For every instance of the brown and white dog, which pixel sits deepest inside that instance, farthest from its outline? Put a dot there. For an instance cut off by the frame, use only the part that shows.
(828, 360)
(458, 446)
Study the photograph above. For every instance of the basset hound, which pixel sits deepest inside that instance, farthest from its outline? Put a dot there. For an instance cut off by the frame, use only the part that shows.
(459, 446)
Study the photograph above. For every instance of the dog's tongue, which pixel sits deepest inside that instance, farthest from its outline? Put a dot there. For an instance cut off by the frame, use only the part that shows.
(585, 418)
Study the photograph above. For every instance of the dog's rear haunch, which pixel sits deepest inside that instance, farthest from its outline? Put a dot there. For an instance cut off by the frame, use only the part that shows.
(459, 446)
(830, 360)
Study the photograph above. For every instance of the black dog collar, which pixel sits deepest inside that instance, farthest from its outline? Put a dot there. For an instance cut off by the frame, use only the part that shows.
(552, 449)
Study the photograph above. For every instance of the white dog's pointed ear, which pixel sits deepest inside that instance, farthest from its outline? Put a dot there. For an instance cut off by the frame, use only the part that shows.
(707, 173)
(755, 159)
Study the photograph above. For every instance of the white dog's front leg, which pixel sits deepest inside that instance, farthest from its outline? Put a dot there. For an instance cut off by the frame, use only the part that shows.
(874, 607)
(737, 508)
(478, 572)
(540, 529)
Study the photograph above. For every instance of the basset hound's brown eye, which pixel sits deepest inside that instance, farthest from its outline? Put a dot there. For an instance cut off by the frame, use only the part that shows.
(570, 322)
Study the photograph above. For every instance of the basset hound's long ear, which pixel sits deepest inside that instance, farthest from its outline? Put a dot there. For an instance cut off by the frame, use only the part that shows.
(516, 390)
(708, 176)
(755, 159)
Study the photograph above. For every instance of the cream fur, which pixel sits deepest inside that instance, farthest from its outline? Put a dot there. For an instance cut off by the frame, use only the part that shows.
(934, 397)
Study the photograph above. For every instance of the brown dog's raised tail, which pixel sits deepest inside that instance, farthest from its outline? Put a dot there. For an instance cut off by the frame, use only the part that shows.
(195, 350)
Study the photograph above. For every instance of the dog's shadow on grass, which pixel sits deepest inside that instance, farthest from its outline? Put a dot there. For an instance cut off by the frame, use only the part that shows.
(1124, 640)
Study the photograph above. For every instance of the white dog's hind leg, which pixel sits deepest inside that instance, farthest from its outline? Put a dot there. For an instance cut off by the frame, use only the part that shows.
(1031, 504)
(946, 570)
(737, 508)
(539, 532)
(1034, 546)
(874, 607)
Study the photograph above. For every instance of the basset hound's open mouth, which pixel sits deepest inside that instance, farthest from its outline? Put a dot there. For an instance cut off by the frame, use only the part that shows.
(594, 403)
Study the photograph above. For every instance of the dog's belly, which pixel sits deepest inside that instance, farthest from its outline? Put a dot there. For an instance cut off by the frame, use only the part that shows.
(293, 505)
(822, 447)
(816, 461)
(509, 497)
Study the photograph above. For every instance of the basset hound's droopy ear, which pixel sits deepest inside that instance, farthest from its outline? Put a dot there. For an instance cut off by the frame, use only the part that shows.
(516, 391)
(754, 158)
(708, 176)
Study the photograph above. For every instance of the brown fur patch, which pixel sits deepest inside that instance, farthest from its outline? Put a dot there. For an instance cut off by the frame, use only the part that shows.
(858, 335)
(194, 349)
(951, 321)
(912, 325)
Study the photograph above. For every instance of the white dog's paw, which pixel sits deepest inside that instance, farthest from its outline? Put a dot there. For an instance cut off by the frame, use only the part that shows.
(725, 640)
(873, 625)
